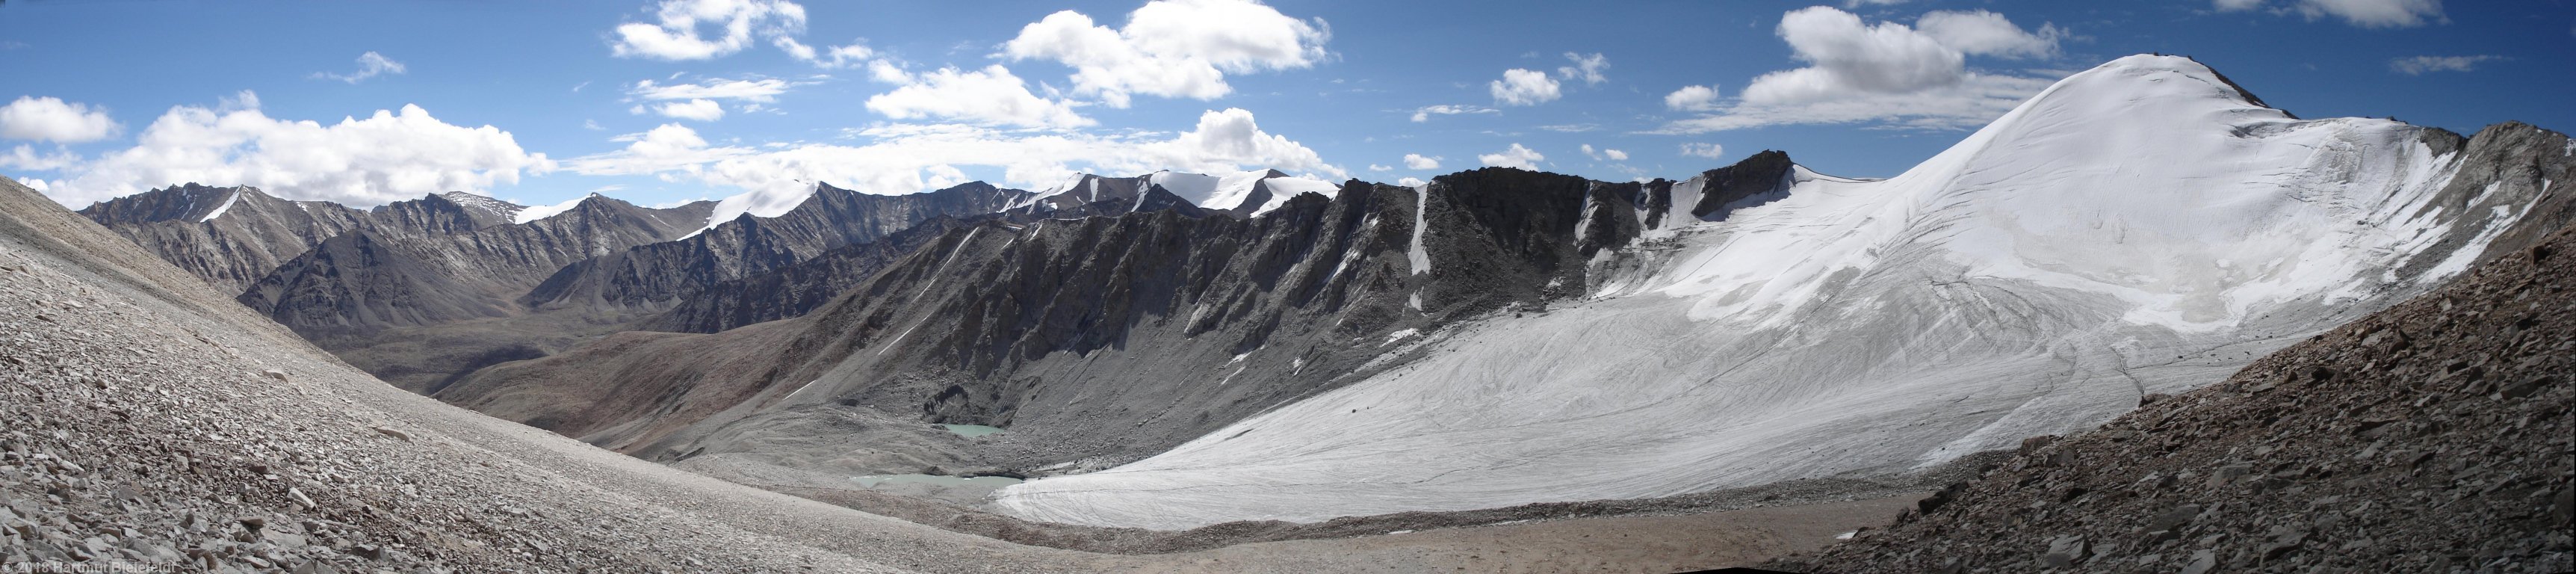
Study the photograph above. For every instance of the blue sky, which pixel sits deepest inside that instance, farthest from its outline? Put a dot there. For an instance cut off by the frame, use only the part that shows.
(667, 100)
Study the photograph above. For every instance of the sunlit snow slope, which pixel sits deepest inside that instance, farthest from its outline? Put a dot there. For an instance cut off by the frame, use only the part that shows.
(2140, 227)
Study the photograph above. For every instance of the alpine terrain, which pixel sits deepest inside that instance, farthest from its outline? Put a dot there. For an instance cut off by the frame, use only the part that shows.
(2143, 321)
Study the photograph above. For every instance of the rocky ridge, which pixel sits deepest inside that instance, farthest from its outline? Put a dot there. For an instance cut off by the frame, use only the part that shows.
(1095, 339)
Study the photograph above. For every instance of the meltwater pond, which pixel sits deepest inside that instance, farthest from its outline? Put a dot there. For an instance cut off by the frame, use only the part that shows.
(972, 431)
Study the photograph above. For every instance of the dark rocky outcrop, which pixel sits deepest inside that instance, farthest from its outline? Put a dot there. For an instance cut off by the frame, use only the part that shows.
(1764, 173)
(2434, 436)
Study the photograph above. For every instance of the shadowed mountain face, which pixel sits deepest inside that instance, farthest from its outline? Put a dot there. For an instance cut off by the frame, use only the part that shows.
(1096, 339)
(230, 236)
(652, 277)
(427, 264)
(423, 291)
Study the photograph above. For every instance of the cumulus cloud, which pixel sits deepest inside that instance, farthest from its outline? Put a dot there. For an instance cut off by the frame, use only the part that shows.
(675, 33)
(1883, 72)
(25, 157)
(1693, 98)
(2418, 65)
(1586, 68)
(909, 158)
(1419, 161)
(370, 65)
(389, 156)
(707, 29)
(1423, 114)
(1516, 156)
(1411, 182)
(1372, 167)
(52, 119)
(1983, 33)
(700, 110)
(2236, 5)
(1524, 88)
(1706, 150)
(989, 96)
(1172, 48)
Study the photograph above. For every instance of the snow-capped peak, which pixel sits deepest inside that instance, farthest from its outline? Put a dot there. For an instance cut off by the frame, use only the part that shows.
(763, 203)
(473, 200)
(1245, 193)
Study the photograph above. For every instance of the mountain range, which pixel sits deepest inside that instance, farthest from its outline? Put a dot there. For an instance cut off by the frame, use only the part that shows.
(1177, 350)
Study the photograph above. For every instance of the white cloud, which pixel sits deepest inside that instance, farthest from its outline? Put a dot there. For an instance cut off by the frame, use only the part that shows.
(760, 90)
(1586, 68)
(1419, 161)
(1983, 33)
(1604, 153)
(370, 65)
(2362, 13)
(1693, 98)
(1524, 88)
(854, 55)
(1516, 156)
(674, 33)
(1424, 113)
(2418, 65)
(1706, 150)
(1372, 167)
(700, 110)
(1885, 72)
(1172, 48)
(25, 157)
(48, 118)
(909, 158)
(989, 96)
(386, 157)
(887, 71)
(2374, 13)
(1411, 182)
